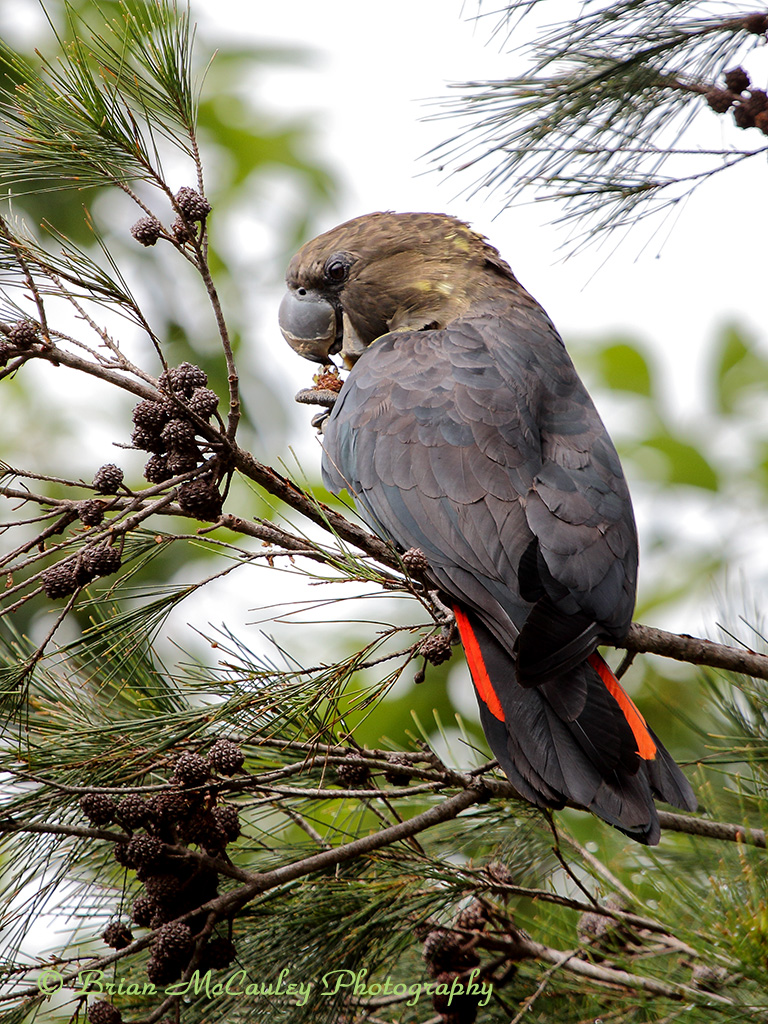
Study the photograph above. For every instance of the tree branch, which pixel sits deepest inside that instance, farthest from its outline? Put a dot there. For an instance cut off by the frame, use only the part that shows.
(264, 881)
(712, 829)
(522, 947)
(694, 650)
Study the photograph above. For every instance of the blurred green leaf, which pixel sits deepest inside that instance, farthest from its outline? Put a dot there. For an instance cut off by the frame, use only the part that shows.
(739, 369)
(624, 368)
(685, 464)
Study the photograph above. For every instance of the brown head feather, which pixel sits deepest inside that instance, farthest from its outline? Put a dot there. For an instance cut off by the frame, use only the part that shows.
(407, 271)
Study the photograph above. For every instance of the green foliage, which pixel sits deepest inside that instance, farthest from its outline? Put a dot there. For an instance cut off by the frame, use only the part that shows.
(82, 116)
(122, 95)
(684, 463)
(622, 367)
(741, 372)
(686, 924)
(709, 460)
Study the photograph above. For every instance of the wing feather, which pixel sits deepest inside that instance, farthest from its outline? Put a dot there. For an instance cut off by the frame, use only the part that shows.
(473, 441)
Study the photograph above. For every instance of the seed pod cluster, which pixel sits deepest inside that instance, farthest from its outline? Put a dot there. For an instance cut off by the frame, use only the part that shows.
(447, 950)
(226, 758)
(90, 512)
(102, 1012)
(23, 334)
(448, 955)
(603, 933)
(748, 105)
(182, 231)
(100, 559)
(192, 205)
(473, 917)
(147, 230)
(63, 578)
(186, 813)
(166, 428)
(99, 808)
(170, 952)
(415, 561)
(498, 872)
(354, 773)
(193, 208)
(399, 774)
(201, 499)
(17, 338)
(133, 812)
(108, 479)
(191, 770)
(117, 935)
(436, 649)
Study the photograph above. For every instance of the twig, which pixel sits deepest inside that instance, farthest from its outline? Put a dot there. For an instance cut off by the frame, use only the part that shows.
(531, 999)
(694, 650)
(54, 354)
(232, 376)
(262, 882)
(302, 822)
(598, 867)
(37, 654)
(521, 947)
(8, 825)
(713, 829)
(316, 511)
(17, 252)
(345, 794)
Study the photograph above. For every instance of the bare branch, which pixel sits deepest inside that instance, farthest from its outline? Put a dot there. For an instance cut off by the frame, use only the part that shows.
(694, 650)
(521, 947)
(712, 829)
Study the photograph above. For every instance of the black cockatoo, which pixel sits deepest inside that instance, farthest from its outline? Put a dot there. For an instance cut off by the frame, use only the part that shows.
(463, 430)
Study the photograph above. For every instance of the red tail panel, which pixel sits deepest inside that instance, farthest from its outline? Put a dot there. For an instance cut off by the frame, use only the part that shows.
(476, 664)
(646, 748)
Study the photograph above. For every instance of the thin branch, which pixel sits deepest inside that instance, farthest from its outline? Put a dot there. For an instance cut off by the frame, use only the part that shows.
(10, 825)
(262, 882)
(19, 256)
(301, 821)
(226, 344)
(54, 354)
(281, 487)
(531, 999)
(346, 794)
(522, 947)
(713, 829)
(694, 650)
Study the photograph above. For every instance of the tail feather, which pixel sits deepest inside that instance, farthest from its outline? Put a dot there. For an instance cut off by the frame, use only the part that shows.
(578, 739)
(667, 781)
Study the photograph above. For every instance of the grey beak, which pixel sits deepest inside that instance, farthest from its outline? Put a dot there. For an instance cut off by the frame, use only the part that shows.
(308, 323)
